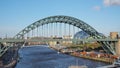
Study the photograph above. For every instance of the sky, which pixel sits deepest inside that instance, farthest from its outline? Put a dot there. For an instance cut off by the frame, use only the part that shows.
(102, 15)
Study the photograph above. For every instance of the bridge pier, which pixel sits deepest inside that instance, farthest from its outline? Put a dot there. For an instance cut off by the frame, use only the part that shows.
(117, 48)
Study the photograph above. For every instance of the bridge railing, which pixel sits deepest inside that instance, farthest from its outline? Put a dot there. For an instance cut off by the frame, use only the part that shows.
(47, 40)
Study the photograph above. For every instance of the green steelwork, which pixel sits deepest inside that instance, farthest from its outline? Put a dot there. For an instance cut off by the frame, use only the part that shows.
(11, 40)
(60, 19)
(67, 20)
(3, 50)
(48, 40)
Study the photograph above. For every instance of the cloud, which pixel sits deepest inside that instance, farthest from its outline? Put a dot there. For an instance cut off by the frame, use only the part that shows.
(111, 2)
(97, 8)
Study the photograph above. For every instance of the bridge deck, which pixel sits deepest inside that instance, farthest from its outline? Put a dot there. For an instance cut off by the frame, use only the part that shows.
(47, 40)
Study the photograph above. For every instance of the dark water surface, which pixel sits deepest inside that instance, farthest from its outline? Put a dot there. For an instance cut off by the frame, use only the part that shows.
(44, 57)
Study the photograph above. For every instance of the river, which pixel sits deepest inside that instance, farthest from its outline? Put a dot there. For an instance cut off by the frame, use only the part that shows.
(44, 57)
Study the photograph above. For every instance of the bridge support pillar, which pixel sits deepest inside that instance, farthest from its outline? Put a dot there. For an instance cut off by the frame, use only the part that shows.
(117, 48)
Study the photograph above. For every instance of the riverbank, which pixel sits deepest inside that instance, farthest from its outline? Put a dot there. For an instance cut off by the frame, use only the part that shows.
(10, 58)
(102, 57)
(106, 60)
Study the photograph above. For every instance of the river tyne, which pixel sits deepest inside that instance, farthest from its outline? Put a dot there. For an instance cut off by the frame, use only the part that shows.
(44, 57)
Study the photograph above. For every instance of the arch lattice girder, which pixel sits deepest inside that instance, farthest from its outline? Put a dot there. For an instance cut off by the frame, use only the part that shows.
(68, 20)
(61, 19)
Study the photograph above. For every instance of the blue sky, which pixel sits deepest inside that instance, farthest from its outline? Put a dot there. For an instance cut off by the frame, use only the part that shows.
(103, 15)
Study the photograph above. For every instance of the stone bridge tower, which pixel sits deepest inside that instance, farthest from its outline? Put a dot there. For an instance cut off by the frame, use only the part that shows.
(117, 47)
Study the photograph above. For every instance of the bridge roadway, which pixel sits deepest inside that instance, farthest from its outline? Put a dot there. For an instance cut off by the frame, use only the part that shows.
(48, 40)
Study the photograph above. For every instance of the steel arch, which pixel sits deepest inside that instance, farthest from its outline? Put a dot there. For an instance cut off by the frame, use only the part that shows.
(61, 19)
(69, 20)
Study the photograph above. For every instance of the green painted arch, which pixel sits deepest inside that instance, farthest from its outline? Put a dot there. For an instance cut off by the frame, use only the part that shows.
(61, 19)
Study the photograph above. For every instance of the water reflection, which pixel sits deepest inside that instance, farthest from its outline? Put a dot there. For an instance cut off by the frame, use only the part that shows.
(44, 57)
